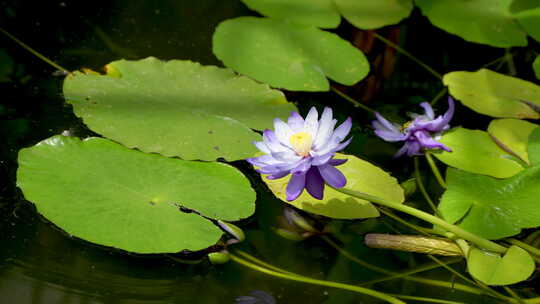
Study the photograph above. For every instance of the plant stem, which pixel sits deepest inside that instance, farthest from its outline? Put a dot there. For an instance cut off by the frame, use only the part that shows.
(422, 188)
(438, 96)
(299, 278)
(407, 274)
(509, 58)
(404, 52)
(262, 263)
(351, 100)
(351, 257)
(31, 50)
(479, 241)
(464, 278)
(422, 230)
(424, 299)
(435, 170)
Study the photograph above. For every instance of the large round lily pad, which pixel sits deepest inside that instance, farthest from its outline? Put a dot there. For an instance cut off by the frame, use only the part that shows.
(176, 108)
(481, 21)
(494, 94)
(489, 207)
(475, 151)
(361, 176)
(288, 55)
(107, 194)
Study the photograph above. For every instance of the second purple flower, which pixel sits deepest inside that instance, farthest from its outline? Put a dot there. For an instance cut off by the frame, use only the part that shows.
(419, 134)
(305, 149)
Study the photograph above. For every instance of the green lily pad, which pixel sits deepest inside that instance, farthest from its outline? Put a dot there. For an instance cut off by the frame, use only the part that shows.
(319, 13)
(533, 147)
(512, 135)
(105, 193)
(489, 207)
(515, 266)
(287, 55)
(494, 94)
(474, 151)
(374, 14)
(361, 176)
(530, 21)
(480, 21)
(176, 108)
(536, 67)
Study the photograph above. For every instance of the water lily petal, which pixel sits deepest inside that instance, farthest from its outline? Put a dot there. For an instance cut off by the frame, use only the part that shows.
(311, 124)
(262, 146)
(427, 142)
(333, 146)
(343, 130)
(414, 148)
(332, 176)
(402, 150)
(428, 110)
(296, 122)
(263, 160)
(278, 175)
(295, 186)
(337, 162)
(315, 183)
(272, 142)
(283, 132)
(286, 156)
(322, 159)
(382, 124)
(440, 123)
(326, 126)
(390, 136)
(303, 166)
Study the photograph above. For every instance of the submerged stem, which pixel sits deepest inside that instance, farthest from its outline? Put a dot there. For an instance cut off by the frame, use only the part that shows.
(36, 53)
(435, 170)
(422, 188)
(404, 52)
(351, 100)
(299, 278)
(479, 241)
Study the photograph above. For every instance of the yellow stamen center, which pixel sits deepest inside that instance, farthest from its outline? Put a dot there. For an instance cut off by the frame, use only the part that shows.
(301, 143)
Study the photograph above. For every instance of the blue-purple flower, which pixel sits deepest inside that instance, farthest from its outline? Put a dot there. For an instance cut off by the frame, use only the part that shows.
(305, 149)
(419, 134)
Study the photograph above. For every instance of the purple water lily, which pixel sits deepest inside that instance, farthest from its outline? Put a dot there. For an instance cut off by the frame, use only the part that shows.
(419, 134)
(305, 149)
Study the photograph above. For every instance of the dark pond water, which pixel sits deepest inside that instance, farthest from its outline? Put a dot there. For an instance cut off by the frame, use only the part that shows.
(41, 264)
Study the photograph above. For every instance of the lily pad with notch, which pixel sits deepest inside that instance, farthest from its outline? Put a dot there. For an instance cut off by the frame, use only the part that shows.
(287, 55)
(514, 266)
(489, 207)
(105, 193)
